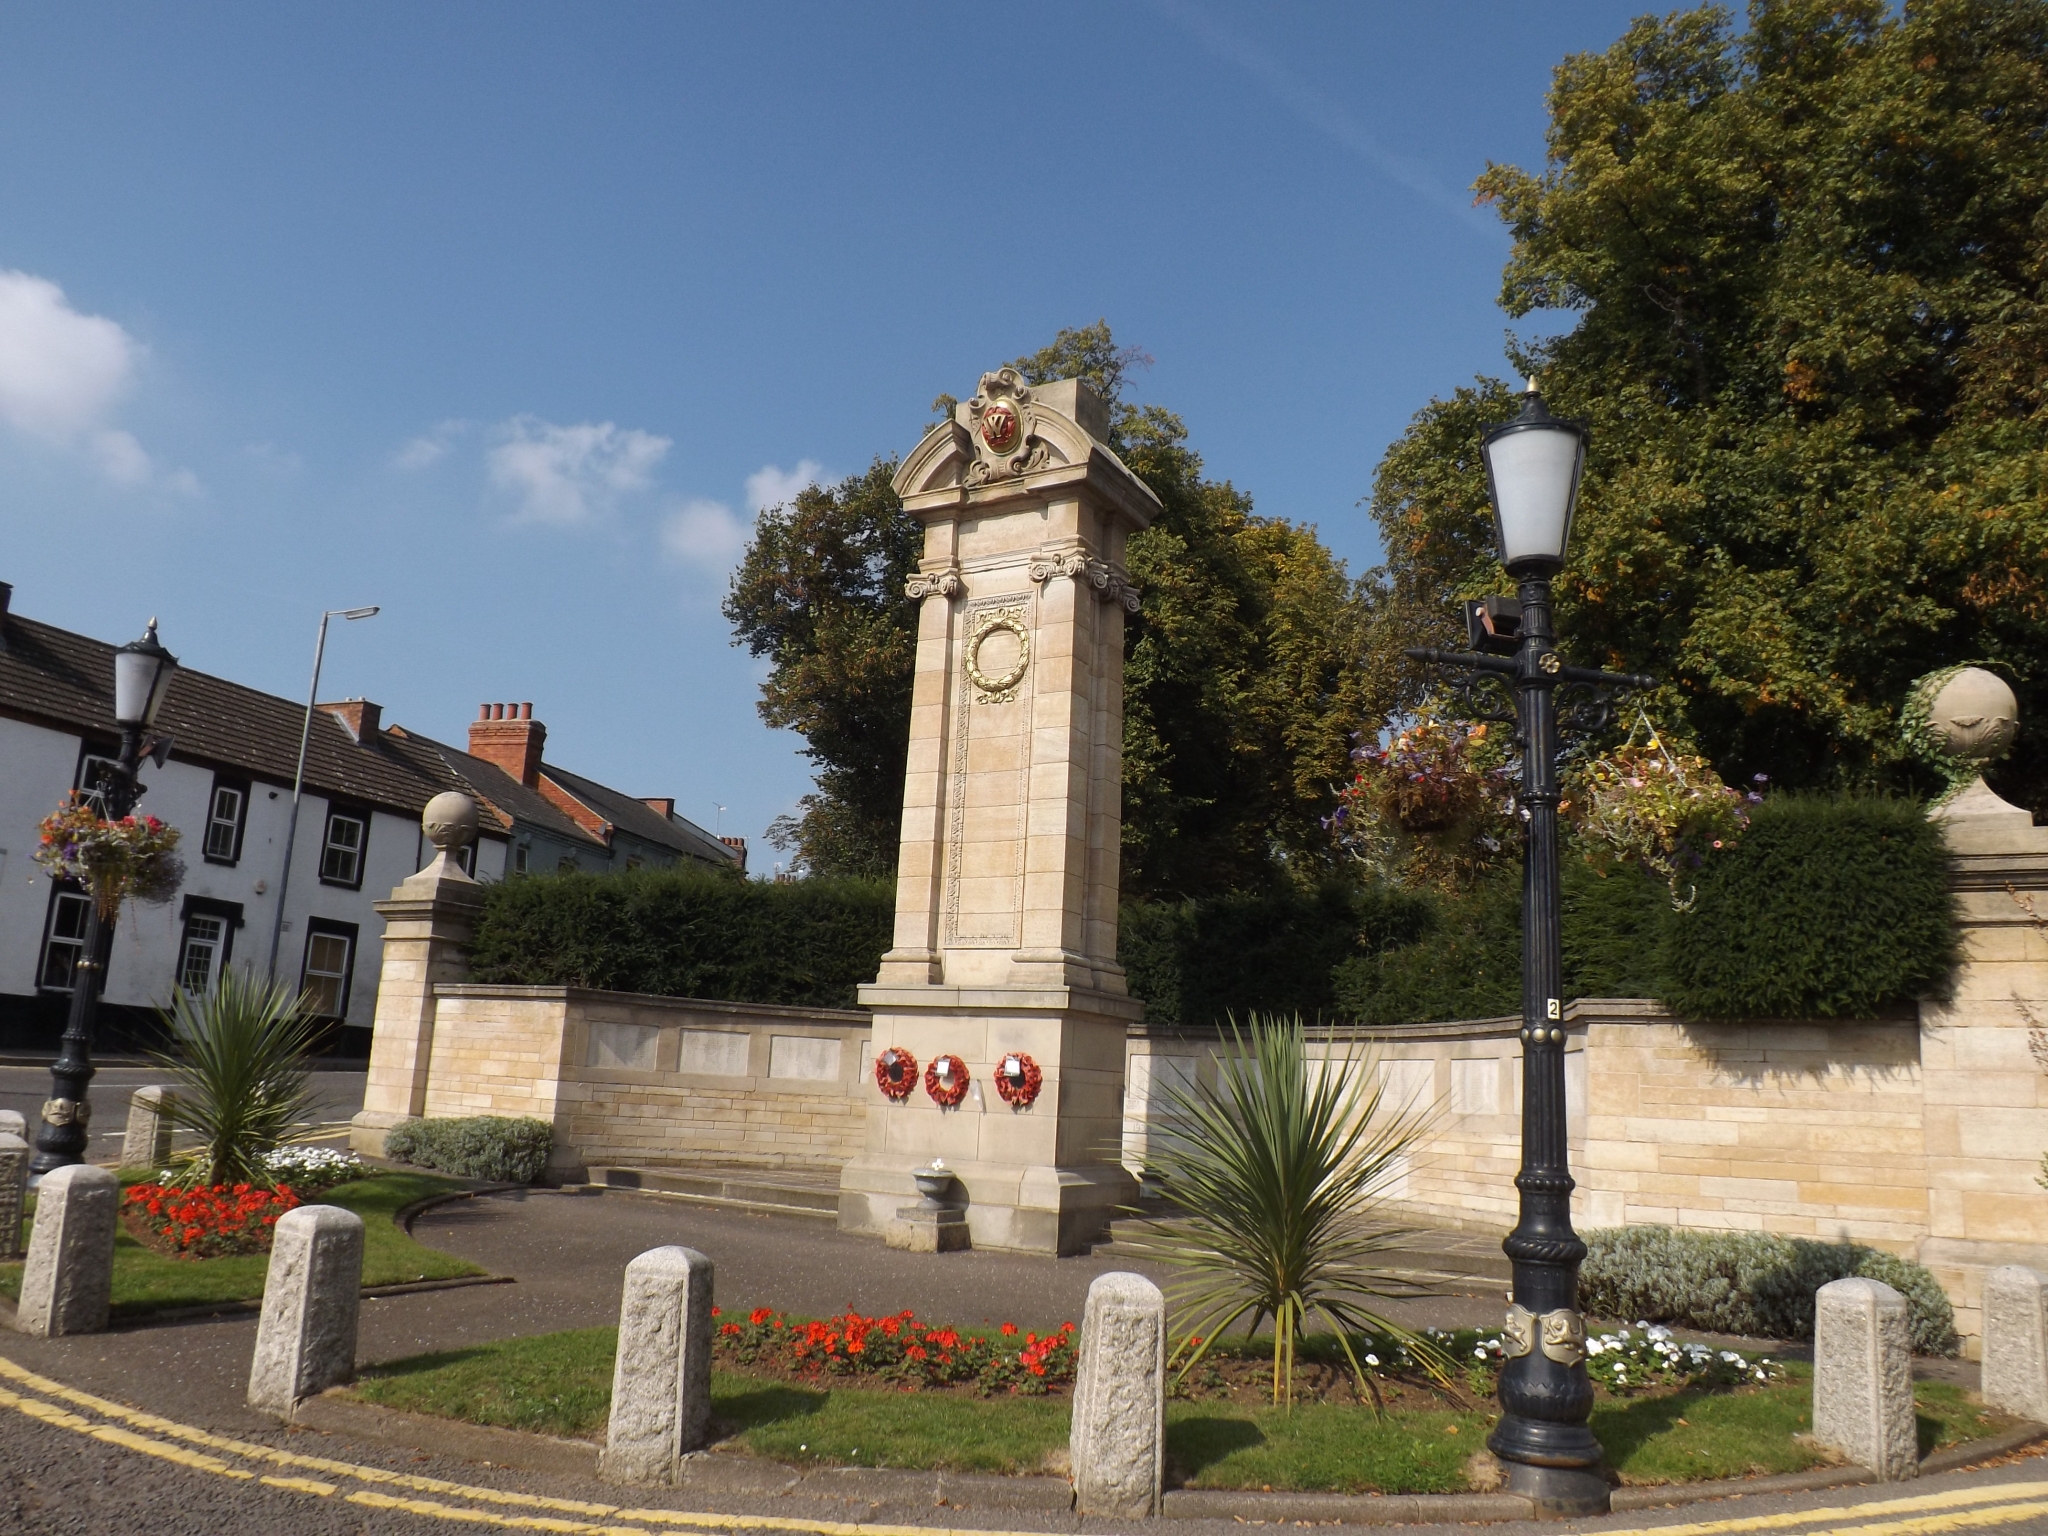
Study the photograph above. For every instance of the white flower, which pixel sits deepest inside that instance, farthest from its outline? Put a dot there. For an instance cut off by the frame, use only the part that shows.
(1479, 1353)
(1372, 1359)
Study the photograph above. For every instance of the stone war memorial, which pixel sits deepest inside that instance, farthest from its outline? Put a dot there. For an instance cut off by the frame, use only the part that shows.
(998, 1086)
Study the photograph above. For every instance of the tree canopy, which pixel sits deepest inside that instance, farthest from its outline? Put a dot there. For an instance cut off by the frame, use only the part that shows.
(1807, 260)
(1242, 675)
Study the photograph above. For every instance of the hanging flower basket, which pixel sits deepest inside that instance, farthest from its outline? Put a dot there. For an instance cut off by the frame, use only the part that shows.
(896, 1072)
(1018, 1080)
(946, 1081)
(1661, 810)
(1434, 803)
(134, 858)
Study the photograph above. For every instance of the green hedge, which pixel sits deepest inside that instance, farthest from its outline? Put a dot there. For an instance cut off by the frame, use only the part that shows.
(686, 933)
(1200, 963)
(1754, 1283)
(1827, 908)
(491, 1147)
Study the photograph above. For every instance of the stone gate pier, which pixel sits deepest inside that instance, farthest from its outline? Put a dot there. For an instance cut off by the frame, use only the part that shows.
(1006, 905)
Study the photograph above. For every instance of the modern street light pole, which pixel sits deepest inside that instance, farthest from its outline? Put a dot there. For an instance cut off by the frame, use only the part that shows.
(291, 830)
(142, 676)
(1543, 1438)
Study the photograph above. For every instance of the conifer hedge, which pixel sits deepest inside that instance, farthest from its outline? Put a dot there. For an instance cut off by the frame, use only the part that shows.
(1826, 908)
(687, 933)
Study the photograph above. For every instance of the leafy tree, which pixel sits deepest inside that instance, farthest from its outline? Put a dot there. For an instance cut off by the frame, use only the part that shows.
(820, 595)
(1242, 682)
(1807, 261)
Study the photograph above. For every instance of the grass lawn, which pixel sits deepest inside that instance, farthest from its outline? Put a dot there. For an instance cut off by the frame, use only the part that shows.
(148, 1281)
(560, 1384)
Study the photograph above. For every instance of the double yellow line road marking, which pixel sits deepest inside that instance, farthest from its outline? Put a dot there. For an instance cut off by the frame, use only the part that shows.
(1985, 1506)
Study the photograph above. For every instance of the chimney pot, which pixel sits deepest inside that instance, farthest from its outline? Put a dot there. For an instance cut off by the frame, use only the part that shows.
(483, 711)
(526, 711)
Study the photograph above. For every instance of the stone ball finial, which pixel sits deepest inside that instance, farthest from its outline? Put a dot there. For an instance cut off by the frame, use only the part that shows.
(450, 820)
(1974, 716)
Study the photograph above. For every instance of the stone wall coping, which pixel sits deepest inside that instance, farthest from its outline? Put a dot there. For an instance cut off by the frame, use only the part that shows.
(850, 1016)
(1581, 1012)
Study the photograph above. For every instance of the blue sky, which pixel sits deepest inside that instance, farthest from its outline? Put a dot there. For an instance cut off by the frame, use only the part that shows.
(506, 316)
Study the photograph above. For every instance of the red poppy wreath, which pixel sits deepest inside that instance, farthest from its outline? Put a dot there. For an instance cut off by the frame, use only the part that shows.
(1018, 1079)
(946, 1081)
(896, 1072)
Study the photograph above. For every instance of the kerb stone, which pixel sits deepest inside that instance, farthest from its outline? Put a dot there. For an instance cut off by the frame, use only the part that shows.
(1118, 1446)
(2016, 1341)
(147, 1141)
(1863, 1377)
(661, 1384)
(312, 1293)
(13, 1192)
(68, 1283)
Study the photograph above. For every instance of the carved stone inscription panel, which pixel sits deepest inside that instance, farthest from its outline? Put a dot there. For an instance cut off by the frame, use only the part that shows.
(987, 779)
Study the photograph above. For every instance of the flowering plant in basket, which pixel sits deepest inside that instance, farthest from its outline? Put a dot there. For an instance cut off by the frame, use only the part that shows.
(1661, 810)
(1434, 803)
(135, 857)
(206, 1223)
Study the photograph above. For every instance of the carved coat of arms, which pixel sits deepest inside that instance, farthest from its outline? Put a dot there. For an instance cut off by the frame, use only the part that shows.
(1004, 444)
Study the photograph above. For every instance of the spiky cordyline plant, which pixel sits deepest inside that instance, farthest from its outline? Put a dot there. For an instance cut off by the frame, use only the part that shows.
(239, 1058)
(1277, 1174)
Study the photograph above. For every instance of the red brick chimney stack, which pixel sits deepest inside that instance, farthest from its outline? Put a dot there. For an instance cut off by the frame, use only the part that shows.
(509, 736)
(359, 717)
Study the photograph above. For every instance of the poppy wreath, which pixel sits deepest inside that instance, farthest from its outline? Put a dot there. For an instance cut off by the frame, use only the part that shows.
(943, 1095)
(896, 1072)
(1018, 1079)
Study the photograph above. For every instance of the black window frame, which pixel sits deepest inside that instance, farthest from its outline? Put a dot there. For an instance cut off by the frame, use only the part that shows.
(228, 913)
(361, 816)
(62, 892)
(332, 928)
(241, 787)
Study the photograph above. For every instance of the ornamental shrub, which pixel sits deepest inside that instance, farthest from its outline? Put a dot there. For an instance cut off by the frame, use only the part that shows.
(1755, 1283)
(687, 933)
(493, 1147)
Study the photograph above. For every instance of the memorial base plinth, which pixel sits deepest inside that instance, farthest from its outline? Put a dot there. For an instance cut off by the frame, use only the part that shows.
(1040, 1178)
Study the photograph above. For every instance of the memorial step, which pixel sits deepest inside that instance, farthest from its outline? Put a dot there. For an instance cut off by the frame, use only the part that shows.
(773, 1192)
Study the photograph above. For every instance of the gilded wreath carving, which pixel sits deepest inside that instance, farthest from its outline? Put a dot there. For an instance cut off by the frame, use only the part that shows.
(999, 688)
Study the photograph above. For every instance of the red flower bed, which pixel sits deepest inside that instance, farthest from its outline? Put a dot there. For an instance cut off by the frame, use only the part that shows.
(900, 1349)
(206, 1223)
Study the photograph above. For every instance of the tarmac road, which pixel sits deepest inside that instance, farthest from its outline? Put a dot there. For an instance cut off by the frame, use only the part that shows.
(337, 1095)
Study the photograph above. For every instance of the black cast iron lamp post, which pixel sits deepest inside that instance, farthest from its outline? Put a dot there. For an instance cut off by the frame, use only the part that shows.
(143, 670)
(1533, 465)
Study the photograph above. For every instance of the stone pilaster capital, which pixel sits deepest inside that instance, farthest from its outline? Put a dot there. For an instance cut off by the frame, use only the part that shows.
(942, 582)
(1109, 584)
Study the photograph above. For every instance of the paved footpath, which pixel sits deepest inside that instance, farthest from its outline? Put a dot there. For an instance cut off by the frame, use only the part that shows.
(143, 1429)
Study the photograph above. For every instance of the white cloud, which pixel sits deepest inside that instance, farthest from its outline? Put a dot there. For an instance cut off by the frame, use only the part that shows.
(430, 447)
(61, 375)
(706, 535)
(568, 475)
(772, 486)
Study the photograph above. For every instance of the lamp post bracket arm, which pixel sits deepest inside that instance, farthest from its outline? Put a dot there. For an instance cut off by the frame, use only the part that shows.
(1470, 660)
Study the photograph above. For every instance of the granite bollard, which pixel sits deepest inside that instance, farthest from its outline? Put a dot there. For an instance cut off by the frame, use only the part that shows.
(2016, 1341)
(14, 1123)
(146, 1143)
(312, 1293)
(661, 1384)
(13, 1192)
(1118, 1444)
(68, 1282)
(1863, 1377)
